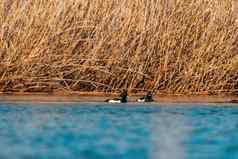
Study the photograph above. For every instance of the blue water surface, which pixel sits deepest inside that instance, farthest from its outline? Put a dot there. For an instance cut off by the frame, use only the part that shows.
(121, 131)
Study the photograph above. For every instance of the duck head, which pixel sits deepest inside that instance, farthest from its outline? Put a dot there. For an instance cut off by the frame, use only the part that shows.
(123, 95)
(149, 96)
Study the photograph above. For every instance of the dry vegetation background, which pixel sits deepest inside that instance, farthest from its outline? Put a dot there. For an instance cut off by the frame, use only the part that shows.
(172, 46)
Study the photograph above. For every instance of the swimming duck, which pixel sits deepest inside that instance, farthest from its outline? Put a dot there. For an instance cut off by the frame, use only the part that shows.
(147, 98)
(121, 99)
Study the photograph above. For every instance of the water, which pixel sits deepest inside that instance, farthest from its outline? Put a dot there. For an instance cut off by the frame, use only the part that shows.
(130, 131)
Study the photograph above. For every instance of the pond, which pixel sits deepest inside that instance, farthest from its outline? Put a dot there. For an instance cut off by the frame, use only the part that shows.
(119, 131)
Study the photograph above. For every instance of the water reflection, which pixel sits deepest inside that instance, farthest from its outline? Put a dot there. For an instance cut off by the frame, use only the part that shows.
(168, 134)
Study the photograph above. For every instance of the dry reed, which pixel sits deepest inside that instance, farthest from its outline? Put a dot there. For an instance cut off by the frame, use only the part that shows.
(170, 46)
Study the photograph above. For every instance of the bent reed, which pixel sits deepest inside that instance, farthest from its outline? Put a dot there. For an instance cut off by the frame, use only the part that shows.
(169, 46)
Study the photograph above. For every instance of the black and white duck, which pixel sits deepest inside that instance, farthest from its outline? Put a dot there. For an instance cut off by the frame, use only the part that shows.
(146, 98)
(121, 99)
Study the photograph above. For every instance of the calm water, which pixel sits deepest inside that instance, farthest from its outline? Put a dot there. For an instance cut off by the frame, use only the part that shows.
(131, 131)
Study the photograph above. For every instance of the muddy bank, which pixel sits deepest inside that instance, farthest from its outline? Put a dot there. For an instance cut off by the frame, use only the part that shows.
(101, 97)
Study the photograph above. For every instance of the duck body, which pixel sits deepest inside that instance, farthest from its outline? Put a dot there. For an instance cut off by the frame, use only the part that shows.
(121, 99)
(146, 98)
(141, 100)
(114, 101)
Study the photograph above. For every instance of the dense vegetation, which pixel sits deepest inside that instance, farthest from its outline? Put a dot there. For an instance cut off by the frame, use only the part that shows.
(172, 46)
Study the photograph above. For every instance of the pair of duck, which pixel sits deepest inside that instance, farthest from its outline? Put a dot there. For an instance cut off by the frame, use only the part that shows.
(123, 98)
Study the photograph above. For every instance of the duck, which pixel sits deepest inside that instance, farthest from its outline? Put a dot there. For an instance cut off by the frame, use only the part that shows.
(147, 98)
(121, 99)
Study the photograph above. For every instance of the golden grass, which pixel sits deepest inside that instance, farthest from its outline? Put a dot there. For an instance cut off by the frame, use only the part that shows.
(171, 46)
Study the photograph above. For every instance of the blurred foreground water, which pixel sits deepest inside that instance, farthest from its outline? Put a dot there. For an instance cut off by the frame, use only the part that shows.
(123, 131)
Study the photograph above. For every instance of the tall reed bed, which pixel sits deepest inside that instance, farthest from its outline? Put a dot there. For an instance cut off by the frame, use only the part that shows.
(169, 46)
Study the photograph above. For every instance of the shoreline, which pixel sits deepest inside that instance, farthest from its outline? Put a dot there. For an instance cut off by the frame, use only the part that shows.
(101, 97)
